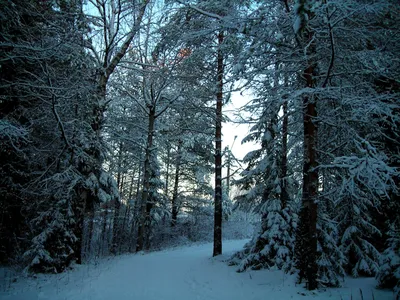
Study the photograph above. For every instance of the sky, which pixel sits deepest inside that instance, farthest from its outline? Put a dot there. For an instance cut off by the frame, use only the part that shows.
(231, 129)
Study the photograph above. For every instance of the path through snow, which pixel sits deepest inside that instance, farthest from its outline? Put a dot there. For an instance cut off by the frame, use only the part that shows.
(181, 274)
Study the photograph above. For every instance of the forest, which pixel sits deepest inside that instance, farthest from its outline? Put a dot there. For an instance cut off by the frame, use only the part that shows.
(112, 142)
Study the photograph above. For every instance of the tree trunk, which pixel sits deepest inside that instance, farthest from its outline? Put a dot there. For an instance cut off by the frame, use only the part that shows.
(284, 194)
(124, 228)
(147, 223)
(130, 193)
(310, 187)
(80, 213)
(121, 187)
(116, 228)
(146, 182)
(228, 174)
(167, 171)
(136, 209)
(217, 250)
(139, 180)
(120, 183)
(104, 234)
(308, 216)
(89, 242)
(85, 233)
(176, 184)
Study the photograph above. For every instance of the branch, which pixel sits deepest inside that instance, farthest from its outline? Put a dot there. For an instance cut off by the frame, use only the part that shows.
(120, 54)
(203, 12)
(53, 101)
(134, 98)
(332, 50)
(166, 107)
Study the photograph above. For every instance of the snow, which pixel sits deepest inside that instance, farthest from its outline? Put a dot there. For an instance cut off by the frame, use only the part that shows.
(297, 24)
(183, 273)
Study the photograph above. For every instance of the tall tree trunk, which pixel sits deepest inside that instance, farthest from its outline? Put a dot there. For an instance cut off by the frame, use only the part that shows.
(284, 194)
(217, 250)
(80, 248)
(104, 235)
(310, 188)
(136, 208)
(124, 228)
(147, 223)
(125, 222)
(176, 184)
(120, 183)
(146, 182)
(309, 212)
(167, 172)
(85, 233)
(130, 193)
(119, 166)
(116, 228)
(139, 180)
(121, 187)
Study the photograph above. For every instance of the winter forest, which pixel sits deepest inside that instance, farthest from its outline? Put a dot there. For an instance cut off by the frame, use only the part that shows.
(112, 143)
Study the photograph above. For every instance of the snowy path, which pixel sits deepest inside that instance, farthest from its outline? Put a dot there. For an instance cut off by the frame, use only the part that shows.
(185, 273)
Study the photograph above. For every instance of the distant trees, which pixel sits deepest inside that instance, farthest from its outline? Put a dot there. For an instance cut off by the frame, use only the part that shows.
(205, 34)
(170, 122)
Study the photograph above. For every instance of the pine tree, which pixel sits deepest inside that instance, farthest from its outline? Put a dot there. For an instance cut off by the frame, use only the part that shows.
(388, 274)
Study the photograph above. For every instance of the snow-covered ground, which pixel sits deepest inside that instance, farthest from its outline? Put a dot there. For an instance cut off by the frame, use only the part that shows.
(179, 274)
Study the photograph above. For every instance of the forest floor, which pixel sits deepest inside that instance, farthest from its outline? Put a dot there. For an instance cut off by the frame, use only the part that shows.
(188, 273)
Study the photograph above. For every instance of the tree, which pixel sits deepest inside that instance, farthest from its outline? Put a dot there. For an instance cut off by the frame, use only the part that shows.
(47, 90)
(270, 190)
(314, 61)
(197, 17)
(115, 23)
(217, 250)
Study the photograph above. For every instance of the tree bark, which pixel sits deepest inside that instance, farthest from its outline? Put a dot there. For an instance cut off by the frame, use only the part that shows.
(310, 173)
(130, 193)
(284, 194)
(119, 165)
(124, 228)
(120, 183)
(116, 228)
(104, 234)
(146, 181)
(167, 171)
(147, 223)
(138, 183)
(217, 250)
(176, 185)
(136, 208)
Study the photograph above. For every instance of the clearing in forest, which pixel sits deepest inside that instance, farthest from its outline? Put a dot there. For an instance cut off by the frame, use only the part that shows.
(179, 274)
